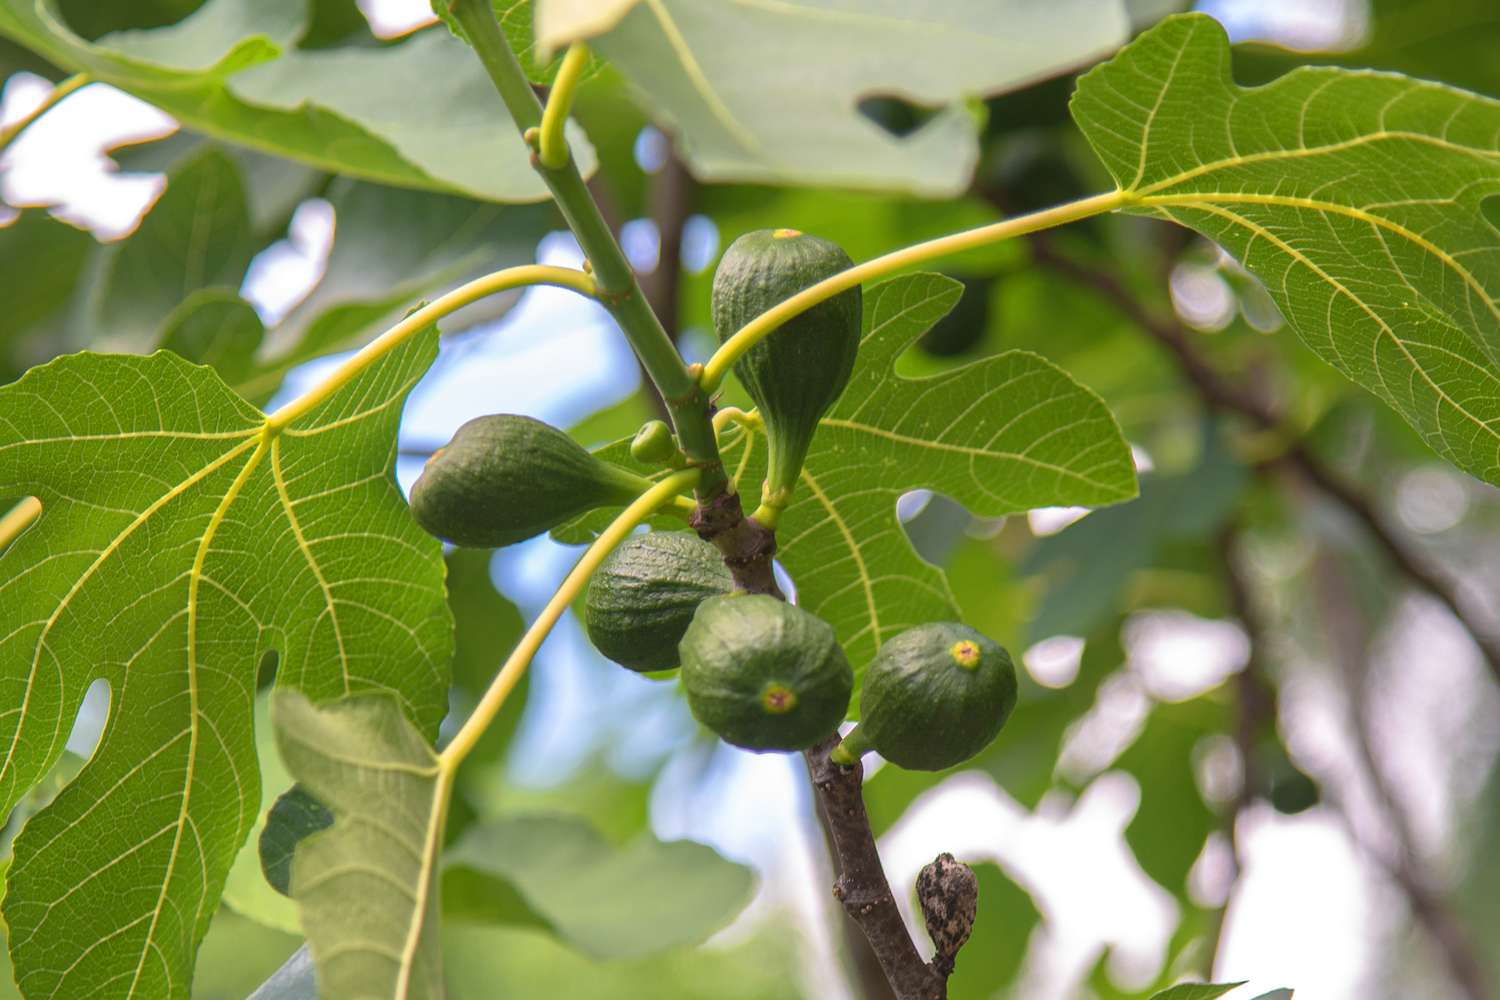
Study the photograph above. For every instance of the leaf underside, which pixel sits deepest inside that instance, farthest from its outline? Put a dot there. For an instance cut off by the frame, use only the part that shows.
(367, 886)
(1354, 196)
(232, 70)
(772, 92)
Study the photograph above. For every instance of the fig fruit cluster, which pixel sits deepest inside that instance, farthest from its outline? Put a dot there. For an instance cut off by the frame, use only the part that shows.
(761, 673)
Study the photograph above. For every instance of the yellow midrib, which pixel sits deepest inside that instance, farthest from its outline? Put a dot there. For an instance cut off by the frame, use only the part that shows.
(865, 582)
(1338, 286)
(195, 578)
(1198, 199)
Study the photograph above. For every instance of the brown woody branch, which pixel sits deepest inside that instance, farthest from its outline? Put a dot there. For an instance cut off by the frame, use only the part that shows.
(1222, 396)
(1254, 712)
(1348, 641)
(861, 885)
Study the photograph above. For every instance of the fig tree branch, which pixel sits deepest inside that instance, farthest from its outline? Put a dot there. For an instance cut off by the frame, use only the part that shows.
(1254, 712)
(861, 885)
(1348, 644)
(618, 289)
(1219, 395)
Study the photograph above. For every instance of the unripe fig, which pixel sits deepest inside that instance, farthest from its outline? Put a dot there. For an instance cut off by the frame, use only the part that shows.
(654, 444)
(763, 674)
(641, 600)
(933, 697)
(504, 478)
(794, 374)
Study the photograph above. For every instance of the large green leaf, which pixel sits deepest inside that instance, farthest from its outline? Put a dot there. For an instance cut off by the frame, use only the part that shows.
(367, 886)
(420, 113)
(1001, 435)
(179, 543)
(197, 236)
(42, 259)
(559, 872)
(1354, 196)
(771, 92)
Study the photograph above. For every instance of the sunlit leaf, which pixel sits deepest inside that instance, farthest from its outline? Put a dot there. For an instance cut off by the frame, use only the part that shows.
(180, 542)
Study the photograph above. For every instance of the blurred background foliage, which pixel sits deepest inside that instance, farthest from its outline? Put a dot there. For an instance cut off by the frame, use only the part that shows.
(1258, 724)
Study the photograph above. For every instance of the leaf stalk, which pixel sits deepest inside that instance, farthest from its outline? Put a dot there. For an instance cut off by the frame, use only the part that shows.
(552, 144)
(419, 319)
(13, 131)
(662, 494)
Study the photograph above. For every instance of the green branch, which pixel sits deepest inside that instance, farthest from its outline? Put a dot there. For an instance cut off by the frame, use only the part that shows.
(618, 289)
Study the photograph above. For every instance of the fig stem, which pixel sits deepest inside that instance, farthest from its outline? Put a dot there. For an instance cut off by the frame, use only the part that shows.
(420, 319)
(851, 748)
(660, 495)
(552, 144)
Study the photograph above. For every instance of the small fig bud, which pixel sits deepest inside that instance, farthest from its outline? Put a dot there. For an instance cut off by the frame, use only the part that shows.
(949, 893)
(654, 444)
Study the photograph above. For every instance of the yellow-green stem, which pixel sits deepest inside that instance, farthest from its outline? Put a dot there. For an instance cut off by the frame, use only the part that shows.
(18, 519)
(10, 133)
(419, 320)
(758, 328)
(658, 496)
(552, 146)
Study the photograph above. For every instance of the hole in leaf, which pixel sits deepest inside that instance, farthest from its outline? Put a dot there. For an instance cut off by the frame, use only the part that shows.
(784, 581)
(895, 115)
(962, 328)
(934, 524)
(265, 672)
(93, 715)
